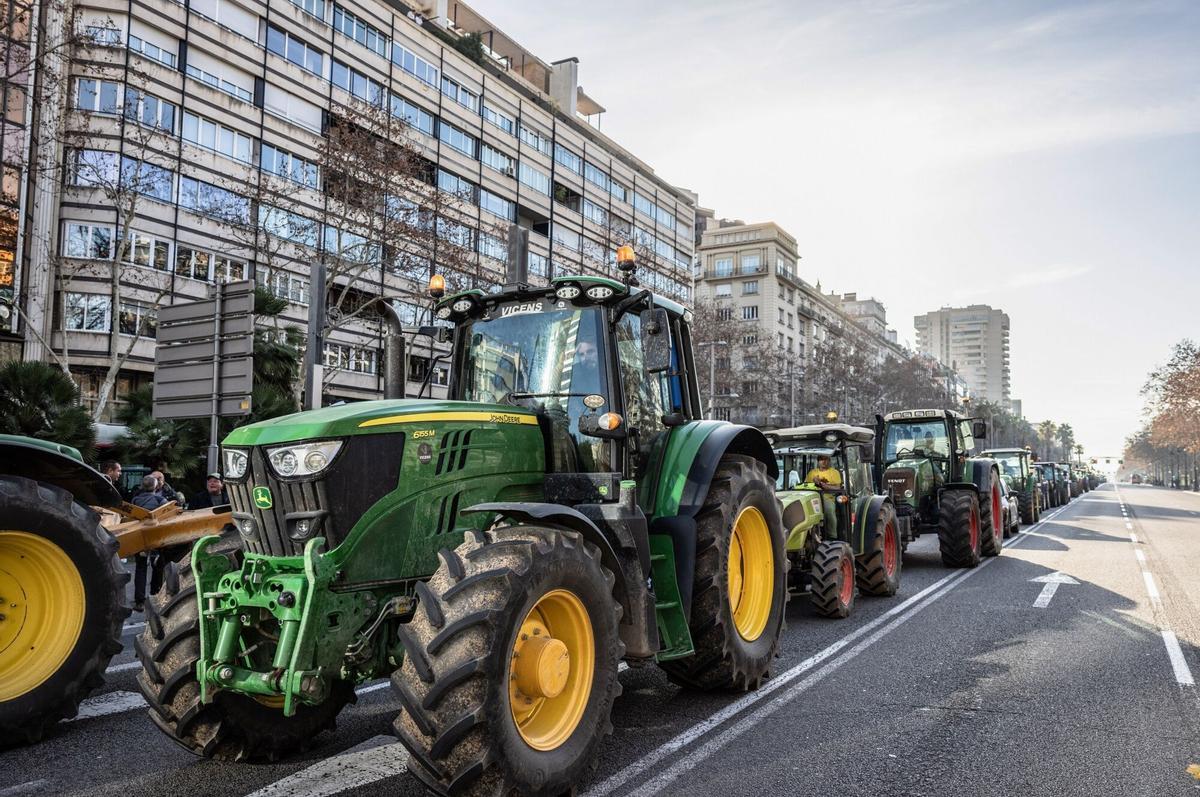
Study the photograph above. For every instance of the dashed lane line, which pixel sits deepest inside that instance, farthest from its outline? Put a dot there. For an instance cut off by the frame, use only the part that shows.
(876, 629)
(108, 703)
(1178, 663)
(375, 759)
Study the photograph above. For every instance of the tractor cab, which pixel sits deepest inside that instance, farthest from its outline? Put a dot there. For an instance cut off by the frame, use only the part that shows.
(1014, 463)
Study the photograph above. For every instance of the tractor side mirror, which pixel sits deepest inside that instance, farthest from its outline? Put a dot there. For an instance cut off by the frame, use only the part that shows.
(656, 340)
(979, 430)
(439, 334)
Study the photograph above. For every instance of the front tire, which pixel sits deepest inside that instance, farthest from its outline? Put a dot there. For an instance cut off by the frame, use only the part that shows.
(877, 568)
(1027, 501)
(833, 579)
(959, 528)
(487, 706)
(741, 581)
(63, 609)
(233, 727)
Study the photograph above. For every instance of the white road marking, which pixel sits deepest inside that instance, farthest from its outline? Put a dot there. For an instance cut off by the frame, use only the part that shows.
(616, 782)
(375, 759)
(108, 703)
(1133, 538)
(132, 627)
(1151, 587)
(30, 787)
(1051, 581)
(1129, 526)
(1140, 555)
(126, 667)
(1179, 664)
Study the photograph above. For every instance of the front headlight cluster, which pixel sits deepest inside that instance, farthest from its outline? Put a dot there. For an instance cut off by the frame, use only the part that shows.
(307, 459)
(235, 463)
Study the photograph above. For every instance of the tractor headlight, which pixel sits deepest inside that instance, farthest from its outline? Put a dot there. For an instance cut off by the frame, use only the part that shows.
(462, 306)
(599, 293)
(308, 459)
(567, 292)
(235, 463)
(443, 312)
(908, 493)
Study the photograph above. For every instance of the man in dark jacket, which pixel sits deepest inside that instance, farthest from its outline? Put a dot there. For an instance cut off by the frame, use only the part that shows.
(149, 499)
(212, 495)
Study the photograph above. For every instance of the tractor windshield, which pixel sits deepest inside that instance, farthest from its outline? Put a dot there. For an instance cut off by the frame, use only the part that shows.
(916, 439)
(1010, 464)
(548, 358)
(795, 465)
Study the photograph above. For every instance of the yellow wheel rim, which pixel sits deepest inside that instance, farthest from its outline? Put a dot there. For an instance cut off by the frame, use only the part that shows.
(550, 672)
(43, 609)
(751, 573)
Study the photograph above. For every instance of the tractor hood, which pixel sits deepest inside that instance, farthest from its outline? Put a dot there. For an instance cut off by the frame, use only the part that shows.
(373, 417)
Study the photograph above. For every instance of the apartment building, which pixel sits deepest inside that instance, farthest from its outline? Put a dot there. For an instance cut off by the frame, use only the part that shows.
(749, 274)
(220, 110)
(974, 341)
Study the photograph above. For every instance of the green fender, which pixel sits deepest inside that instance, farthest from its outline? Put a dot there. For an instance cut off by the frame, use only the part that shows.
(56, 464)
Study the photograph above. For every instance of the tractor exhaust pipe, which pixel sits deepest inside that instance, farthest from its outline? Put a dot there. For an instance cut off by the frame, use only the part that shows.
(395, 381)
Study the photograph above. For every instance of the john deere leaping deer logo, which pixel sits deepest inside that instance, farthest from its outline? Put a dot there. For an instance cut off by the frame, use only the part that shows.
(262, 498)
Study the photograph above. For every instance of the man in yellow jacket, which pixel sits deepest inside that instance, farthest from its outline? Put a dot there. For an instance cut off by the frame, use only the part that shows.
(824, 475)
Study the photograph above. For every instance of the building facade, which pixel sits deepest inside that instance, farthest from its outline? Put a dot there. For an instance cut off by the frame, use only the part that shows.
(974, 341)
(748, 275)
(207, 124)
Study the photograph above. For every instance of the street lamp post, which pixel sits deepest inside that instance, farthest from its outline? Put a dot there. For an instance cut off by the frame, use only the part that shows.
(712, 371)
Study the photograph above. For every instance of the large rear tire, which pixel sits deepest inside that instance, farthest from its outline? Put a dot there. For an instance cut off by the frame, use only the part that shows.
(877, 568)
(959, 528)
(991, 516)
(741, 581)
(62, 606)
(833, 579)
(233, 727)
(510, 667)
(1026, 500)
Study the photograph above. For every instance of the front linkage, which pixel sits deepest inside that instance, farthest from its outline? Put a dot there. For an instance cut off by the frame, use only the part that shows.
(316, 625)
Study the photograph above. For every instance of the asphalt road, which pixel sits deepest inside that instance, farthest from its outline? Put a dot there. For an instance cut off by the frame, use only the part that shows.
(978, 682)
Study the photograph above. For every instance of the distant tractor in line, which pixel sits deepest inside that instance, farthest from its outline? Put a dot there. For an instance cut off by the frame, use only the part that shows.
(840, 532)
(925, 461)
(1017, 472)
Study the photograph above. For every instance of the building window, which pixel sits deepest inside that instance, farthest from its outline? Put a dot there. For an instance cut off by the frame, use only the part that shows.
(314, 7)
(104, 35)
(287, 225)
(496, 205)
(750, 312)
(723, 267)
(299, 52)
(453, 184)
(725, 314)
(723, 290)
(455, 233)
(568, 159)
(460, 94)
(539, 266)
(148, 251)
(285, 286)
(537, 140)
(93, 168)
(97, 96)
(749, 340)
(205, 266)
(643, 205)
(147, 179)
(493, 247)
(497, 160)
(665, 218)
(87, 312)
(210, 200)
(365, 34)
(749, 287)
(596, 176)
(89, 240)
(151, 51)
(220, 83)
(618, 191)
(535, 179)
(149, 110)
(214, 136)
(566, 238)
(500, 120)
(290, 167)
(136, 318)
(414, 64)
(413, 115)
(456, 139)
(357, 83)
(359, 359)
(594, 212)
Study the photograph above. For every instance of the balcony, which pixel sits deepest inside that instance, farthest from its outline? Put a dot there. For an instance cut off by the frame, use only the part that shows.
(729, 273)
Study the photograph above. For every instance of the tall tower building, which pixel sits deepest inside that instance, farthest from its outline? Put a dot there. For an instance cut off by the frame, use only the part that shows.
(974, 342)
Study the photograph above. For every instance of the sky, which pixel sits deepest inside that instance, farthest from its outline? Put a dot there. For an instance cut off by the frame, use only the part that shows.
(1040, 157)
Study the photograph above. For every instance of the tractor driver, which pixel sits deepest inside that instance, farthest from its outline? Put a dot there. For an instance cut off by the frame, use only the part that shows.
(824, 475)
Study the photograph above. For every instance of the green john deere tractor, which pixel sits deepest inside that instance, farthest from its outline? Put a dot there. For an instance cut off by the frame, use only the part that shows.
(840, 532)
(495, 554)
(924, 460)
(1016, 469)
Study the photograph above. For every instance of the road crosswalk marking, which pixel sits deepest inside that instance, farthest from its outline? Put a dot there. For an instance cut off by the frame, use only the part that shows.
(375, 759)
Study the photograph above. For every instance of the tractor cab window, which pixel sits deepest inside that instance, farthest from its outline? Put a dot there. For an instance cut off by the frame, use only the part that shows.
(648, 397)
(1010, 464)
(968, 439)
(548, 359)
(855, 482)
(917, 439)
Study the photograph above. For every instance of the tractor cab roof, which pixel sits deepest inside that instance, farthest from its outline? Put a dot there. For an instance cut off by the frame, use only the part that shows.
(991, 451)
(821, 435)
(580, 289)
(908, 415)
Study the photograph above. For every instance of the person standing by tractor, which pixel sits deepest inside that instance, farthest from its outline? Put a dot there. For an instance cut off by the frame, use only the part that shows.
(212, 495)
(149, 499)
(112, 471)
(824, 475)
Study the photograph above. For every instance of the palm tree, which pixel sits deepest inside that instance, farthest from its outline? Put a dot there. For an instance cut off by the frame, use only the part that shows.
(1066, 437)
(39, 400)
(1046, 431)
(1079, 453)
